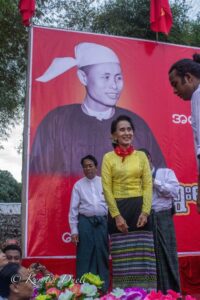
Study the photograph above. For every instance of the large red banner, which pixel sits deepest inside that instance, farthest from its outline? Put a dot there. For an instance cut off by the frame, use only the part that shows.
(60, 132)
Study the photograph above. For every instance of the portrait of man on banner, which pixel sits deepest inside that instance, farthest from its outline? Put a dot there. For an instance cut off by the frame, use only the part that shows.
(69, 132)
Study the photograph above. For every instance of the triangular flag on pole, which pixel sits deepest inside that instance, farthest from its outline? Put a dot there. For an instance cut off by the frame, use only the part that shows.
(160, 16)
(27, 10)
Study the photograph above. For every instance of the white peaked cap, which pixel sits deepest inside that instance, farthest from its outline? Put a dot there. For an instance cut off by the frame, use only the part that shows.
(86, 54)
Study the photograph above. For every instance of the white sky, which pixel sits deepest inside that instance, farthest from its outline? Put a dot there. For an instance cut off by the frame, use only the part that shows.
(11, 160)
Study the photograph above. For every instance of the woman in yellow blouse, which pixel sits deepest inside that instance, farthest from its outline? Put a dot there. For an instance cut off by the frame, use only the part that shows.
(127, 185)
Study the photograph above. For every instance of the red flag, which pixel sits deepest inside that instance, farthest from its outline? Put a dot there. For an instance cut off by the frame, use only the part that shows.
(27, 10)
(160, 16)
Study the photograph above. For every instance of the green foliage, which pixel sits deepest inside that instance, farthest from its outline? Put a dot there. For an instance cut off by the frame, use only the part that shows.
(10, 189)
(195, 32)
(131, 18)
(180, 32)
(72, 14)
(124, 18)
(14, 50)
(13, 58)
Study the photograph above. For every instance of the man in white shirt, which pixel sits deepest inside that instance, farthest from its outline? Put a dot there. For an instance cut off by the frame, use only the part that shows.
(165, 190)
(184, 77)
(88, 223)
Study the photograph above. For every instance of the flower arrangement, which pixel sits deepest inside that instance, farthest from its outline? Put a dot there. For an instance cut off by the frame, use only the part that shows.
(64, 287)
(140, 294)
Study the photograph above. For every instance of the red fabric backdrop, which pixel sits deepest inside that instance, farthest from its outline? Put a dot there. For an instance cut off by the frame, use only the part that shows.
(147, 92)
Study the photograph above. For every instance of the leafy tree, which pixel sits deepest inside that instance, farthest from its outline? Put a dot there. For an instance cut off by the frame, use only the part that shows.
(72, 14)
(131, 18)
(180, 32)
(13, 57)
(10, 189)
(195, 32)
(14, 50)
(124, 18)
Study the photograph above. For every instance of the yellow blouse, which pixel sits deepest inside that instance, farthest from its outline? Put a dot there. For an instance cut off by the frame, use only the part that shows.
(130, 178)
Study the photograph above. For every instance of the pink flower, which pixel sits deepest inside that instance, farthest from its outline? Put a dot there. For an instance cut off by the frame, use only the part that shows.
(174, 294)
(134, 293)
(108, 297)
(168, 297)
(35, 293)
(188, 297)
(153, 295)
(76, 289)
(53, 292)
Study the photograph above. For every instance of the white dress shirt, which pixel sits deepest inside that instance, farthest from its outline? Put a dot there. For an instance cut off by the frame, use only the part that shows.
(165, 189)
(195, 108)
(87, 199)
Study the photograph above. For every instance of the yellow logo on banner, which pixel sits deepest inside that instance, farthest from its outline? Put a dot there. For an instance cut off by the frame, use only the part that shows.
(187, 195)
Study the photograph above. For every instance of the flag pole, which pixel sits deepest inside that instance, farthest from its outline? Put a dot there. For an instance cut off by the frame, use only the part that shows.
(26, 135)
(157, 36)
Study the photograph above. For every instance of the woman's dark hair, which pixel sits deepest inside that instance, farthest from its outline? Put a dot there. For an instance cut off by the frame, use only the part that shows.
(8, 272)
(121, 118)
(187, 65)
(90, 157)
